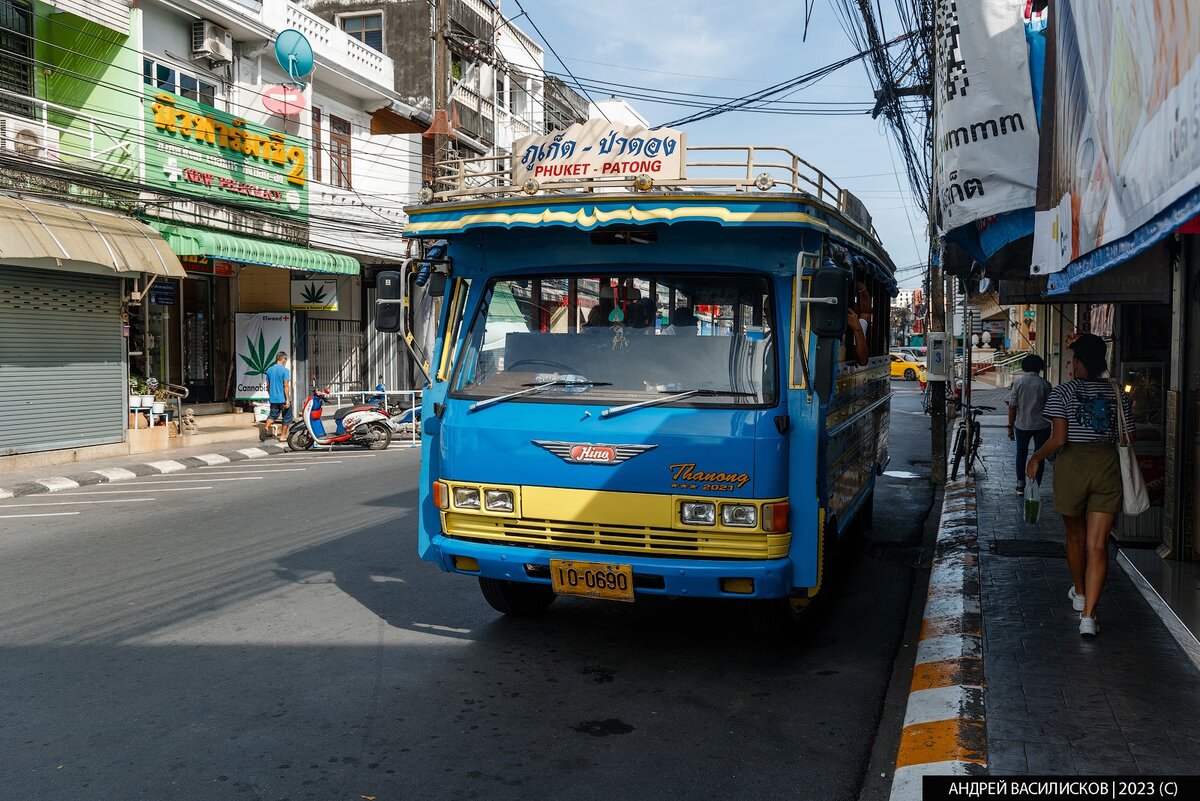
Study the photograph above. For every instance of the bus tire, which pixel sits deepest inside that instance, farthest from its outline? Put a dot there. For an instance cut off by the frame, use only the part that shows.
(781, 621)
(516, 598)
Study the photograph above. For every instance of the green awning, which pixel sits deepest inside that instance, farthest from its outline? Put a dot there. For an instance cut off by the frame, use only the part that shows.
(187, 241)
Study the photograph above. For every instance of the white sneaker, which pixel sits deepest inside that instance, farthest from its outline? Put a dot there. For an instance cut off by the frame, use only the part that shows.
(1076, 600)
(1088, 627)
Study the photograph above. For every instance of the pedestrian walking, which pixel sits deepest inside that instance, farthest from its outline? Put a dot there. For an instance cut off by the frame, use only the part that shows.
(1025, 421)
(279, 394)
(1087, 473)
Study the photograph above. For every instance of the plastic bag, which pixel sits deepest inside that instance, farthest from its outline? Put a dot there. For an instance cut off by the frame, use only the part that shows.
(1033, 502)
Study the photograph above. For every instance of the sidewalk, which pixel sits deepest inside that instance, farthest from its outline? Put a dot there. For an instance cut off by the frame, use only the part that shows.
(35, 480)
(1057, 703)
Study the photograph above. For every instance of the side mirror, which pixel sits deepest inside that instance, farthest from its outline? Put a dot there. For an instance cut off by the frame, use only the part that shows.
(389, 302)
(437, 285)
(829, 318)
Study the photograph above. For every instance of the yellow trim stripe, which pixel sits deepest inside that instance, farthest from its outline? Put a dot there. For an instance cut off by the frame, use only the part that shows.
(628, 214)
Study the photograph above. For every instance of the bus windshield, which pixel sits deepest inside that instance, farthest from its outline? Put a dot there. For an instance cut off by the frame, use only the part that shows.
(623, 339)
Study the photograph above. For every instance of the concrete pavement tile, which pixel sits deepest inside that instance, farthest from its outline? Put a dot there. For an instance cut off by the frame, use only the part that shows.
(1006, 755)
(1104, 767)
(1149, 743)
(1049, 758)
(1151, 765)
(1013, 728)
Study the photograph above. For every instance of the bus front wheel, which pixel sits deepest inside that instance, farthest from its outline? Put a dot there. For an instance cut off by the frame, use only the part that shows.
(516, 598)
(781, 620)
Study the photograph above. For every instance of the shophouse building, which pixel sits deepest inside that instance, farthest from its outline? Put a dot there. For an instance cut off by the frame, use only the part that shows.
(263, 202)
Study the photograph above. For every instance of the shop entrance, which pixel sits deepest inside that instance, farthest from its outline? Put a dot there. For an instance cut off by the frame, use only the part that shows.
(204, 332)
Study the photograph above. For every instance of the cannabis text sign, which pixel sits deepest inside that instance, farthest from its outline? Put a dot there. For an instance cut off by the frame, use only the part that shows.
(259, 338)
(315, 294)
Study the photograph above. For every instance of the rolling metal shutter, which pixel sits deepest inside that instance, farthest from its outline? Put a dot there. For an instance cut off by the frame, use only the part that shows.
(62, 371)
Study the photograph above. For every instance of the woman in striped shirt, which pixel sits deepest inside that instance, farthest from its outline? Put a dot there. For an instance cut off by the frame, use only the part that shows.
(1087, 475)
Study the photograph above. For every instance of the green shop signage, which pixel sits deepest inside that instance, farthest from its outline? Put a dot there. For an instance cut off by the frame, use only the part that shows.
(201, 151)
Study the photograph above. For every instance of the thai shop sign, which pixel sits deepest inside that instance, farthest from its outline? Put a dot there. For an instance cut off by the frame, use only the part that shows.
(315, 294)
(986, 131)
(259, 338)
(202, 151)
(1122, 145)
(598, 149)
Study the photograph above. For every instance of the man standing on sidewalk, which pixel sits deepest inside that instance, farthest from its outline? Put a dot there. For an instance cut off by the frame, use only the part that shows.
(279, 393)
(1025, 405)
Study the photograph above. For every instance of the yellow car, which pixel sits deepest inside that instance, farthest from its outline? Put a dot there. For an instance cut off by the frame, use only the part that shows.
(906, 368)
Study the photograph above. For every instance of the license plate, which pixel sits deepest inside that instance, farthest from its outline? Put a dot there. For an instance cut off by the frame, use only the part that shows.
(592, 580)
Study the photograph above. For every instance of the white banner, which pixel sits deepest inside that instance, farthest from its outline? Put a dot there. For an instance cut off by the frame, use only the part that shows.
(986, 129)
(259, 338)
(598, 149)
(315, 294)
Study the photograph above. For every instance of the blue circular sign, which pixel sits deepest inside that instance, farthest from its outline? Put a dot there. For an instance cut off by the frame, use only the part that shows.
(294, 53)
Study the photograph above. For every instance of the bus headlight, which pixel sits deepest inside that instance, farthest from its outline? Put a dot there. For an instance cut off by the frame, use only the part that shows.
(466, 497)
(498, 500)
(698, 513)
(736, 514)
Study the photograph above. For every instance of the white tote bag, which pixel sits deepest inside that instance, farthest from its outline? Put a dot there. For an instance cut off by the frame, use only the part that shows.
(1135, 498)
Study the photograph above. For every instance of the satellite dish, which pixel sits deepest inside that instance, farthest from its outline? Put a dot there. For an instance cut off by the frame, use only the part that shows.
(294, 53)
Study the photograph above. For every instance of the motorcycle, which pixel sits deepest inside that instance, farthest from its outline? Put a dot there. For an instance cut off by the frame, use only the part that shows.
(368, 425)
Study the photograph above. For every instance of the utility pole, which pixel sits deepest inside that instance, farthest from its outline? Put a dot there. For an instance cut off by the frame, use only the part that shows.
(441, 88)
(937, 300)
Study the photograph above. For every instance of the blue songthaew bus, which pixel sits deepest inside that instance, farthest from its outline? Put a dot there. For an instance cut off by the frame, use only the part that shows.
(656, 372)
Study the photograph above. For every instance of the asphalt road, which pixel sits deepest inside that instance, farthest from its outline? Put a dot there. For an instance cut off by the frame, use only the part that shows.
(265, 631)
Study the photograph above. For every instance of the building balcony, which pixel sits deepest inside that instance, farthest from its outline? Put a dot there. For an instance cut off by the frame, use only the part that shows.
(342, 60)
(39, 134)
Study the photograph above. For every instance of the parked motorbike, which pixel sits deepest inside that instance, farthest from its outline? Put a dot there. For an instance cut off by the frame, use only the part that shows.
(367, 425)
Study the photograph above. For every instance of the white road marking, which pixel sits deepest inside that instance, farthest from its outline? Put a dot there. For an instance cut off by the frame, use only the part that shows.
(56, 483)
(134, 492)
(213, 458)
(256, 471)
(47, 514)
(115, 473)
(901, 474)
(204, 480)
(168, 466)
(75, 503)
(298, 456)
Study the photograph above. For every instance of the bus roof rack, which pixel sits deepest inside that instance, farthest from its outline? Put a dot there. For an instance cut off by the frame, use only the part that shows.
(706, 169)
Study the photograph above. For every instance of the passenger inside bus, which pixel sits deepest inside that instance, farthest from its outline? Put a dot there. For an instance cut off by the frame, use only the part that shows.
(858, 319)
(683, 321)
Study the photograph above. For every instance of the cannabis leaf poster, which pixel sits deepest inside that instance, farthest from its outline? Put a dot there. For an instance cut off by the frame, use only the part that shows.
(259, 338)
(315, 294)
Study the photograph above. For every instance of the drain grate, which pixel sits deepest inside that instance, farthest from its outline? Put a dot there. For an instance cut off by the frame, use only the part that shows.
(1044, 548)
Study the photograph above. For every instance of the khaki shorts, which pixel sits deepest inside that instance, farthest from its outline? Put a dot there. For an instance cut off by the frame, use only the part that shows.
(1087, 478)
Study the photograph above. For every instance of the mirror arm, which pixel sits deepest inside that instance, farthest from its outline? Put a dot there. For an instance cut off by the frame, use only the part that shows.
(405, 335)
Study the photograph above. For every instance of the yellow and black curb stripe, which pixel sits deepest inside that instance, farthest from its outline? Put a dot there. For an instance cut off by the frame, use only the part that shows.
(944, 732)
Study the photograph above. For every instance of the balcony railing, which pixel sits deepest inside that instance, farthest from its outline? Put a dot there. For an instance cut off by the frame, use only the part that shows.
(48, 132)
(331, 42)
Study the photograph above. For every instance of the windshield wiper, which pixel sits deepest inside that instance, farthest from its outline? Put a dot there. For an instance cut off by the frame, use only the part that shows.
(532, 389)
(675, 396)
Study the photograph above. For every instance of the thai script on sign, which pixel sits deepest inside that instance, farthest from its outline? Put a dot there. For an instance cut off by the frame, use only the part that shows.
(232, 137)
(599, 149)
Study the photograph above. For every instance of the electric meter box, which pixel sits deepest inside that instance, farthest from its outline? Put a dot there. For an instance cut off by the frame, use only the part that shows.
(939, 355)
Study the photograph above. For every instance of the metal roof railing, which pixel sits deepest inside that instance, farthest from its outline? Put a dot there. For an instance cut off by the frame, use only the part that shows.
(706, 168)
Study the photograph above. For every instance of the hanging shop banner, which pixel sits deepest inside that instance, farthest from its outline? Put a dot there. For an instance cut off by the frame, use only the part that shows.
(598, 149)
(315, 294)
(202, 151)
(1121, 145)
(986, 127)
(260, 337)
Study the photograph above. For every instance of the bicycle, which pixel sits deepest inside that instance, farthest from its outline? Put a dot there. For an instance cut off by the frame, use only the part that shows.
(968, 437)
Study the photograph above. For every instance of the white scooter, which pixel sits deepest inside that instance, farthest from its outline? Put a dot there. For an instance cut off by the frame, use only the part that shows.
(367, 425)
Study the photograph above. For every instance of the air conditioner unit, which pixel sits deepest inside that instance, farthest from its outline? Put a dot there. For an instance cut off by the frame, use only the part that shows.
(212, 42)
(27, 138)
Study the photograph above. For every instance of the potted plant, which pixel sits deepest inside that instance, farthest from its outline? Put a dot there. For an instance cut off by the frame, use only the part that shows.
(135, 392)
(160, 402)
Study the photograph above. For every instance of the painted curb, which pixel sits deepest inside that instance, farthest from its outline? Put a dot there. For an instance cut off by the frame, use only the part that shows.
(108, 475)
(944, 731)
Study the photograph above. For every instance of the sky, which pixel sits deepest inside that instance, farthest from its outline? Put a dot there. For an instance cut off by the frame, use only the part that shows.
(732, 48)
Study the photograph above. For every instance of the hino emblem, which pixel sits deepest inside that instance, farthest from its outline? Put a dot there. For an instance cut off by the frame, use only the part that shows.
(587, 453)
